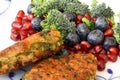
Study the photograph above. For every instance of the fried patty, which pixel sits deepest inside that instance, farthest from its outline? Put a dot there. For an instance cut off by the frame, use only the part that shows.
(72, 67)
(30, 50)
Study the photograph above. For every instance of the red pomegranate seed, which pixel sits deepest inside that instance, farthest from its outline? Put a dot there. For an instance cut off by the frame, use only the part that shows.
(18, 19)
(112, 57)
(110, 23)
(109, 32)
(23, 32)
(101, 65)
(79, 18)
(87, 16)
(119, 47)
(22, 37)
(30, 17)
(20, 13)
(98, 48)
(31, 31)
(119, 54)
(15, 37)
(85, 46)
(92, 51)
(102, 56)
(113, 50)
(17, 25)
(94, 19)
(77, 47)
(26, 26)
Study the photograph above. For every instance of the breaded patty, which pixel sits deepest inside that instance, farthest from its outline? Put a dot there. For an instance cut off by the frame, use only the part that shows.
(72, 67)
(30, 50)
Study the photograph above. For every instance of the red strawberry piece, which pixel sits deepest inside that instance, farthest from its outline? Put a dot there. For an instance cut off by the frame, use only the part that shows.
(113, 50)
(77, 47)
(30, 17)
(98, 48)
(87, 16)
(20, 13)
(101, 65)
(112, 57)
(17, 25)
(15, 37)
(109, 32)
(85, 46)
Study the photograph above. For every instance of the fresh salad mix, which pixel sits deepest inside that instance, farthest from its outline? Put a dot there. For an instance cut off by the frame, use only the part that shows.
(83, 29)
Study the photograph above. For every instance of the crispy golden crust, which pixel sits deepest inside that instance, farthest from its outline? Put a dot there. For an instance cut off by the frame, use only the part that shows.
(72, 67)
(29, 50)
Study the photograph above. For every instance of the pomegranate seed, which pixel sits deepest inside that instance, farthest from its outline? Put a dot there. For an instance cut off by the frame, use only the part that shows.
(30, 16)
(31, 31)
(22, 37)
(15, 37)
(103, 56)
(92, 51)
(26, 26)
(79, 18)
(17, 25)
(24, 33)
(85, 46)
(112, 57)
(109, 32)
(110, 23)
(113, 50)
(98, 48)
(77, 47)
(94, 19)
(119, 54)
(101, 65)
(119, 47)
(20, 13)
(18, 19)
(15, 31)
(87, 16)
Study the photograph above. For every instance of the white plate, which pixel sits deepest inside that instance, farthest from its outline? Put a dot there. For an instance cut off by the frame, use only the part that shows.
(112, 70)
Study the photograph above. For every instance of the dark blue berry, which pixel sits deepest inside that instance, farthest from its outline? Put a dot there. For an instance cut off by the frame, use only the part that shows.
(71, 39)
(101, 23)
(95, 37)
(82, 30)
(62, 53)
(109, 42)
(70, 16)
(35, 23)
(29, 8)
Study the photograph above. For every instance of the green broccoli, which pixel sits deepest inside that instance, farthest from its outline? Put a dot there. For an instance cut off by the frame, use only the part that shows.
(57, 20)
(102, 10)
(116, 29)
(61, 5)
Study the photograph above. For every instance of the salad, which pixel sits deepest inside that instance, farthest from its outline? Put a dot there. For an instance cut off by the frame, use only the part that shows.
(83, 29)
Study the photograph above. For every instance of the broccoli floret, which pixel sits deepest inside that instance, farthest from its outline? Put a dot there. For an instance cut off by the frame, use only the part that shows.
(61, 5)
(57, 20)
(102, 10)
(116, 29)
(77, 8)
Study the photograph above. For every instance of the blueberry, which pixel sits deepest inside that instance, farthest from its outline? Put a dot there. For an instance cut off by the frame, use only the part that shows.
(95, 37)
(82, 30)
(61, 53)
(71, 39)
(70, 16)
(101, 23)
(29, 8)
(109, 42)
(35, 23)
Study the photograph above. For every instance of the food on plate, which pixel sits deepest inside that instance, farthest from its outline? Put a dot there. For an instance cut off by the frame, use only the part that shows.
(83, 29)
(72, 67)
(29, 50)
